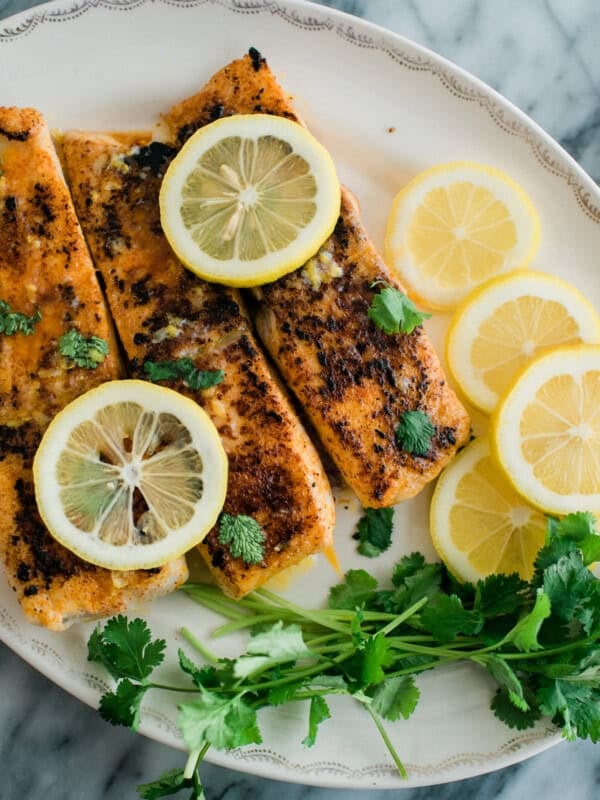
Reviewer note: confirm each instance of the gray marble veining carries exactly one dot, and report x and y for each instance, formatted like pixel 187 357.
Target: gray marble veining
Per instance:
pixel 544 56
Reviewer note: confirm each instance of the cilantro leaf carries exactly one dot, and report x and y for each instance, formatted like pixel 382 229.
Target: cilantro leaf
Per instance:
pixel 426 582
pixel 279 644
pixel 393 312
pixel 573 591
pixel 575 708
pixel 168 784
pixel 88 352
pixel 576 526
pixel 579 528
pixel 356 590
pixel 575 531
pixel 12 322
pixel 375 531
pixel 201 676
pixel 244 536
pixel 123 706
pixel 503 673
pixel 407 566
pixel 510 714
pixel 278 695
pixel 126 648
pixel 499 594
pixel 396 697
pixel 318 713
pixel 185 370
pixel 445 617
pixel 414 432
pixel 524 635
pixel 366 665
pixel 221 720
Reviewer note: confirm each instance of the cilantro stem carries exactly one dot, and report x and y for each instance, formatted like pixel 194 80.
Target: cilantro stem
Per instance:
pixel 388 742
pixel 199 646
pixel 249 622
pixel 215 603
pixel 400 618
pixel 550 651
pixel 193 762
pixel 170 688
pixel 292 675
pixel 314 616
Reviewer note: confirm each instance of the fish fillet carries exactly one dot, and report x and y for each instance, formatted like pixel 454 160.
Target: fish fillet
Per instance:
pixel 45 266
pixel 353 381
pixel 165 313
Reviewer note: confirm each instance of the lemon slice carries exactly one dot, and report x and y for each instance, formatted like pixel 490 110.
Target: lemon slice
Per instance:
pixel 546 431
pixel 130 475
pixel 504 324
pixel 248 199
pixel 457 225
pixel 479 524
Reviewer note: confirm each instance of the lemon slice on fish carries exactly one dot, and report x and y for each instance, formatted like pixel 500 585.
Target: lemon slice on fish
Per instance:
pixel 248 199
pixel 130 475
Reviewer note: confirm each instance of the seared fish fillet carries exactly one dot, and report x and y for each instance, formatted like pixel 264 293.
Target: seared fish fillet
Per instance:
pixel 45 266
pixel 353 381
pixel 165 313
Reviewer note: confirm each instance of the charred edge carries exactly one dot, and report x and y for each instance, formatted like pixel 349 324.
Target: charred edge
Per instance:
pixel 257 59
pixel 22 441
pixel 49 560
pixel 154 157
pixel 15 136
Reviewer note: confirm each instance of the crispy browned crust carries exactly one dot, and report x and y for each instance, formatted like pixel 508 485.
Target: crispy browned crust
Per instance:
pixel 353 381
pixel 163 313
pixel 44 264
pixel 245 86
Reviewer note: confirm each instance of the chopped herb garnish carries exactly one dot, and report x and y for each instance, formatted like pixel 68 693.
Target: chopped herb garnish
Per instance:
pixel 183 369
pixel 374 531
pixel 415 432
pixel 244 536
pixel 539 640
pixel 88 352
pixel 393 312
pixel 12 322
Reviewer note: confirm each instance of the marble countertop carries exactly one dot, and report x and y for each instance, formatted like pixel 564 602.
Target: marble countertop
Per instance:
pixel 544 56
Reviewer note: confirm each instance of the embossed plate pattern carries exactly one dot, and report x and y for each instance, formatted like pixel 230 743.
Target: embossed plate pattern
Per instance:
pixel 385 108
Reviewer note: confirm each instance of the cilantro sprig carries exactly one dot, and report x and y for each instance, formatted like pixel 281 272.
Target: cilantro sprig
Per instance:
pixel 244 537
pixel 87 352
pixel 12 322
pixel 539 640
pixel 374 531
pixel 414 432
pixel 393 312
pixel 185 370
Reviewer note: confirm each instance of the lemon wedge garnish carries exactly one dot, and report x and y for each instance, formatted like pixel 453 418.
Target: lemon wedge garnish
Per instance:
pixel 457 225
pixel 546 431
pixel 479 524
pixel 248 199
pixel 506 323
pixel 130 475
